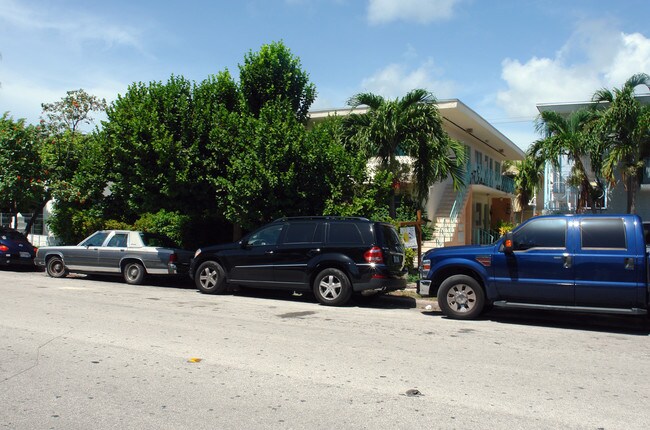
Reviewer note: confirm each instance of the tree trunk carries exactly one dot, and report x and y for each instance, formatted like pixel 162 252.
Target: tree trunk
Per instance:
pixel 632 187
pixel 39 210
pixel 236 232
pixel 391 203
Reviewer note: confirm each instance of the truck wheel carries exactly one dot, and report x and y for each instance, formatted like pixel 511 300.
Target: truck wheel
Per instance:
pixel 332 287
pixel 210 278
pixel 461 297
pixel 55 267
pixel 134 273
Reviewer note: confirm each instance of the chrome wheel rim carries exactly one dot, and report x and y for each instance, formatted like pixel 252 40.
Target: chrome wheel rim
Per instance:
pixel 208 278
pixel 133 272
pixel 461 298
pixel 56 267
pixel 330 287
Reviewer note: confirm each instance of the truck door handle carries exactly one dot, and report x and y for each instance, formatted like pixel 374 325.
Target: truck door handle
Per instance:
pixel 629 263
pixel 568 261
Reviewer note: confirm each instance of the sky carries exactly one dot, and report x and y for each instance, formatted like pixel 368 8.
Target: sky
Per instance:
pixel 500 58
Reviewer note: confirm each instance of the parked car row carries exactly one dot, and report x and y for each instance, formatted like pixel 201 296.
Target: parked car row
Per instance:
pixel 334 257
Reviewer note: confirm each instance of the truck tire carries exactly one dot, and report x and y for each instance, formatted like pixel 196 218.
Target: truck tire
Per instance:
pixel 210 278
pixel 332 287
pixel 461 297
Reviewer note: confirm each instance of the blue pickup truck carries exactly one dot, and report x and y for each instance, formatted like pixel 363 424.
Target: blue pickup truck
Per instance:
pixel 589 263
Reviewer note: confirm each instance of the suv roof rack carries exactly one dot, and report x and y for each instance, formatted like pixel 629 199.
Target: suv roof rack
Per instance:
pixel 322 217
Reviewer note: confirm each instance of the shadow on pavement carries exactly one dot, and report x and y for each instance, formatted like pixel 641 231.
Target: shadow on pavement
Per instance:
pixel 376 302
pixel 622 324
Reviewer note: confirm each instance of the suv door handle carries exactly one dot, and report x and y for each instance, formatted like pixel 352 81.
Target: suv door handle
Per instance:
pixel 313 252
pixel 268 252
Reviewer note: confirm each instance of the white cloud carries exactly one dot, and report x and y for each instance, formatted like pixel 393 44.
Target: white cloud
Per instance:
pixel 420 11
pixel 596 56
pixel 74 26
pixel 395 80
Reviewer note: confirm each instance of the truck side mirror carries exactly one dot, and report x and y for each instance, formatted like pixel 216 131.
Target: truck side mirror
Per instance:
pixel 508 246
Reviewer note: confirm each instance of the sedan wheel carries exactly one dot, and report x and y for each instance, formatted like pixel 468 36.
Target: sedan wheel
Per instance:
pixel 55 268
pixel 134 273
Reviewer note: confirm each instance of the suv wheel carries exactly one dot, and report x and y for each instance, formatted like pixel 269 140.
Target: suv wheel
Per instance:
pixel 210 278
pixel 332 287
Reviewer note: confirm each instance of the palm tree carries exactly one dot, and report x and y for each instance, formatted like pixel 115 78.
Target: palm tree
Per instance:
pixel 566 137
pixel 410 126
pixel 624 129
pixel 528 176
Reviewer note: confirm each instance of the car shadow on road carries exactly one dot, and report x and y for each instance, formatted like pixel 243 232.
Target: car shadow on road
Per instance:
pixel 150 281
pixel 374 302
pixel 620 324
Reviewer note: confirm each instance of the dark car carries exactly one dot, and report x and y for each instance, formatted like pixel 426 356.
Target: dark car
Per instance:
pixel 15 249
pixel 331 256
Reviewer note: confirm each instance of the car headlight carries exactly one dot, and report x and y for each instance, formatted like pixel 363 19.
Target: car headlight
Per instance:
pixel 197 253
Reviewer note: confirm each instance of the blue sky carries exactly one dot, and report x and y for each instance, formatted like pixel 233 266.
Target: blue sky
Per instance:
pixel 500 58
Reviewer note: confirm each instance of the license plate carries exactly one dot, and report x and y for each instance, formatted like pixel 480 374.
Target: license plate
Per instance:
pixel 25 254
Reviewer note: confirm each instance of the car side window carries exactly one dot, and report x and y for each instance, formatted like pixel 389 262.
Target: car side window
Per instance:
pixel 118 240
pixel 541 233
pixel 96 239
pixel 603 233
pixel 340 232
pixel 266 236
pixel 303 232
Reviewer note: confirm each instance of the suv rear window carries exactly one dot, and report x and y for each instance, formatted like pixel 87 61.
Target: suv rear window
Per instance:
pixel 304 232
pixel 344 232
pixel 391 238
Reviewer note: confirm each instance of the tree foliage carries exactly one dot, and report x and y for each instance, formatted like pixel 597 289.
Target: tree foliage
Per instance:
pixel 275 73
pixel 410 126
pixel 623 129
pixel 72 111
pixel 22 178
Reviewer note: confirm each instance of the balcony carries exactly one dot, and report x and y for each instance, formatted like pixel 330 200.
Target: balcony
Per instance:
pixel 479 175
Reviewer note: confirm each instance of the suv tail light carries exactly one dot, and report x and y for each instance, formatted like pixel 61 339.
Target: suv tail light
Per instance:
pixel 374 255
pixel 4 248
pixel 173 258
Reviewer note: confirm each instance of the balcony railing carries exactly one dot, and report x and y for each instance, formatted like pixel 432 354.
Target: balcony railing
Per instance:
pixel 491 178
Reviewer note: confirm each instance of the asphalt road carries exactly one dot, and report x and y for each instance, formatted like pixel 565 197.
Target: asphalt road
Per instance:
pixel 79 353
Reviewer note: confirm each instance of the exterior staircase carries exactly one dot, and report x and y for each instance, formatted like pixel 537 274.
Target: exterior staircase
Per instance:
pixel 449 226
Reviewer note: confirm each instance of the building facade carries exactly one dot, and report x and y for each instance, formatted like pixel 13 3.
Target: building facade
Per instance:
pixel 472 214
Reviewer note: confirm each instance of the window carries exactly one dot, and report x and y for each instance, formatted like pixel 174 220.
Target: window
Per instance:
pixel 119 240
pixel 96 239
pixel 304 232
pixel 266 236
pixel 542 233
pixel 341 232
pixel 603 233
pixel 156 240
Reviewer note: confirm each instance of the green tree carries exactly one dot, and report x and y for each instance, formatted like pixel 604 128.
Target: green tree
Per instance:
pixel 64 149
pixel 528 176
pixel 274 73
pixel 22 178
pixel 279 168
pixel 624 130
pixel 410 126
pixel 72 111
pixel 567 137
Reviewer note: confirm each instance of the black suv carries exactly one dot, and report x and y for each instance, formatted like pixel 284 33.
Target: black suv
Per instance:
pixel 331 256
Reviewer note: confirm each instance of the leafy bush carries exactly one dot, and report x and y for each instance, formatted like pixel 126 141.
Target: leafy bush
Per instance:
pixel 171 224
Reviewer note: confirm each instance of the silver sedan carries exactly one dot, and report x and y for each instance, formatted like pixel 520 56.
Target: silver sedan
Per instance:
pixel 132 254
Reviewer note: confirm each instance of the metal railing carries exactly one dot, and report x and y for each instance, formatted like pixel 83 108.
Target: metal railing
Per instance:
pixel 482 236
